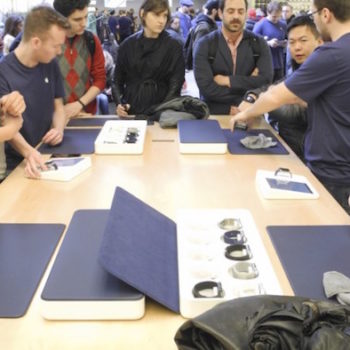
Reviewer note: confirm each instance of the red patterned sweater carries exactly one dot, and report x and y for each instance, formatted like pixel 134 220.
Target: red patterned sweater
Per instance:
pixel 80 70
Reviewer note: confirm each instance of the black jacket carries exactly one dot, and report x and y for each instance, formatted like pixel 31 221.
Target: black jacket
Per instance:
pixel 268 322
pixel 220 98
pixel 148 71
pixel 204 25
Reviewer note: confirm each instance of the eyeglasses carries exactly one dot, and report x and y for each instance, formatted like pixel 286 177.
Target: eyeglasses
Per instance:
pixel 312 14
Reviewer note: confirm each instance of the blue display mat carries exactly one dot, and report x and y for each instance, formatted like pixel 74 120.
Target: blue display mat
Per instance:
pixel 200 131
pixel 76 273
pixel 235 146
pixel 307 252
pixel 93 121
pixel 25 251
pixel 74 141
pixel 139 246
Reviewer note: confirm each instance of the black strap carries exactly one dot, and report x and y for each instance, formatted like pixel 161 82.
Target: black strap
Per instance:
pixel 201 286
pixel 90 42
pixel 238 252
pixel 214 44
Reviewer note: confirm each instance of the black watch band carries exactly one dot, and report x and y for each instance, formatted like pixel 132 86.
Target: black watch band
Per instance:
pixel 216 287
pixel 238 252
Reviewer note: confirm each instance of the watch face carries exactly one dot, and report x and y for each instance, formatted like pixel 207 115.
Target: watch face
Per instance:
pixel 250 99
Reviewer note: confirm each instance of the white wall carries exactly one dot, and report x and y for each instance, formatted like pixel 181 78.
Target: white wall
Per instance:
pixel 9 6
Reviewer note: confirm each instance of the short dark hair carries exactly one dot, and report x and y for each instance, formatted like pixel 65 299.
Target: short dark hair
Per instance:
pixel 211 5
pixel 67 7
pixel 273 6
pixel 223 3
pixel 339 8
pixel 40 19
pixel 156 6
pixel 301 21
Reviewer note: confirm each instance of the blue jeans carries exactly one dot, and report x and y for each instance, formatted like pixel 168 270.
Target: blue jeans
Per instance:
pixel 102 103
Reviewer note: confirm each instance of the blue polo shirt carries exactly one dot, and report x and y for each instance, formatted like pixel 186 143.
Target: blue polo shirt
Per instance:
pixel 39 86
pixel 278 30
pixel 323 81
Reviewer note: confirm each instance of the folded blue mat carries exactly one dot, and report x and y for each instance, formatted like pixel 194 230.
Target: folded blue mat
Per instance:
pixel 139 246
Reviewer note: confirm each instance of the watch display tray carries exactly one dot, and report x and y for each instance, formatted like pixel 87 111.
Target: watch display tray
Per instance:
pixel 224 248
pixel 121 137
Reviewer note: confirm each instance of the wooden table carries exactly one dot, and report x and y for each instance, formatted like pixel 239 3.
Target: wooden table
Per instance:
pixel 166 180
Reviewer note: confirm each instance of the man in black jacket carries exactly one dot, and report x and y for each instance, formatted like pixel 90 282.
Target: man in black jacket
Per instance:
pixel 239 61
pixel 206 23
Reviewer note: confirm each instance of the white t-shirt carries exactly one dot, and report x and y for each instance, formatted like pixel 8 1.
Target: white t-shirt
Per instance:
pixel 8 39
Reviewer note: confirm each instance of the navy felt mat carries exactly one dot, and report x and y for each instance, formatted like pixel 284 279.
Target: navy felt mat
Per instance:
pixel 76 273
pixel 90 121
pixel 140 247
pixel 306 252
pixel 74 141
pixel 235 146
pixel 25 250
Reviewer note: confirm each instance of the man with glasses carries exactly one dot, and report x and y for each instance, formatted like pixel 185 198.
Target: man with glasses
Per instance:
pixel 323 83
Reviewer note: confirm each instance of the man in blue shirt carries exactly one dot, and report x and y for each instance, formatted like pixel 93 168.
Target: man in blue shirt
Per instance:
pixel 323 83
pixel 274 32
pixel 185 18
pixel 32 70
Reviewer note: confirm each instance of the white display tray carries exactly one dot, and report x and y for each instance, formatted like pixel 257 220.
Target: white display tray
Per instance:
pixel 112 138
pixel 284 185
pixel 201 257
pixel 65 169
pixel 203 148
pixel 92 309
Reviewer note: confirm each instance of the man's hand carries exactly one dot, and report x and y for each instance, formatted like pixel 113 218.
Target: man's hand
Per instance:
pixel 273 43
pixel 240 117
pixel 53 137
pixel 34 163
pixel 222 80
pixel 13 104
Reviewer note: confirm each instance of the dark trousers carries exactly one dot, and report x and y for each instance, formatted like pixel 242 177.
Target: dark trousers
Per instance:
pixel 341 194
pixel 278 74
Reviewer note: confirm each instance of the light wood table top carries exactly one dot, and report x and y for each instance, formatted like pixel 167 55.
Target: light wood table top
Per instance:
pixel 167 181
